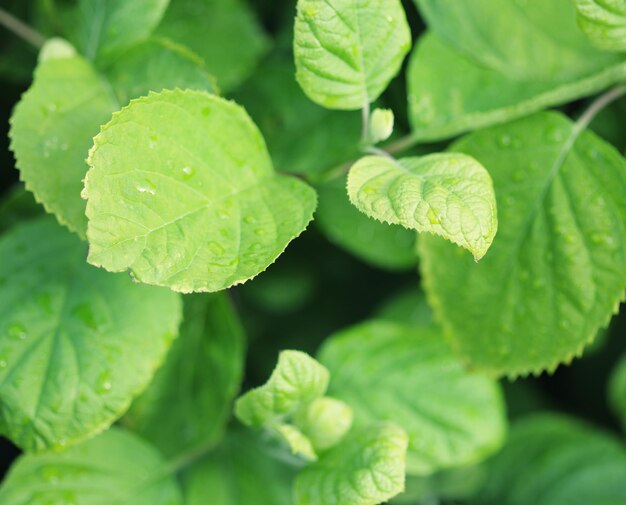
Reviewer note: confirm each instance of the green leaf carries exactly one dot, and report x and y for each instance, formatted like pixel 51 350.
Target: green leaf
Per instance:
pixel 408 307
pixel 154 65
pixel 224 33
pixel 179 204
pixel 617 391
pixel 367 468
pixel 450 195
pixel 553 460
pixel 240 471
pixel 380 244
pixel 557 268
pixel 104 27
pixel 201 377
pixel 52 128
pixel 324 421
pixel 604 22
pixel 408 375
pixel 76 344
pixel 348 51
pixel 114 468
pixel 446 486
pixel 539 40
pixel 296 381
pixel 441 107
pixel 302 137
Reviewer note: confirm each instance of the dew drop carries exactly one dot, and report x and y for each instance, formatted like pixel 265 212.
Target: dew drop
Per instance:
pixel 556 135
pixel 50 474
pixel 104 382
pixel 147 187
pixel 538 283
pixel 17 331
pixel 44 301
pixel 187 172
pixel 519 175
pixel 249 219
pixel 369 190
pixel 504 140
pixel 260 231
pixel 432 217
pixel 593 153
pixel 3 364
pixel 389 19
pixel 215 248
pixel 85 315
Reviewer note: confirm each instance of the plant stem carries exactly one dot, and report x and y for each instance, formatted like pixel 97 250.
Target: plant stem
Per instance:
pixel 402 144
pixel 408 141
pixel 21 29
pixel 597 105
pixel 186 459
pixel 365 122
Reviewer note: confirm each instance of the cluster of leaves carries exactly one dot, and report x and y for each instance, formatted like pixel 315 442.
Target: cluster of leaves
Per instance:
pixel 161 196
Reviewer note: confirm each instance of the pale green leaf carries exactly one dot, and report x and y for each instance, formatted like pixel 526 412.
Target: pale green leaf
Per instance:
pixel 553 460
pixel 53 125
pixel 537 40
pixel 240 471
pixel 154 65
pixel 76 344
pixel 557 268
pixel 442 105
pixel 296 381
pixel 408 375
pixel 52 128
pixel 617 391
pixel 348 51
pixel 298 442
pixel 450 195
pixel 179 203
pixel 115 468
pixel 324 421
pixel 104 27
pixel 302 137
pixel 201 377
pixel 367 468
pixel 383 245
pixel 224 33
pixel 604 22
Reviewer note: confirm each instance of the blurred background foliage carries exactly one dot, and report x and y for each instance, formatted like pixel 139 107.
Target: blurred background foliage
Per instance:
pixel 324 282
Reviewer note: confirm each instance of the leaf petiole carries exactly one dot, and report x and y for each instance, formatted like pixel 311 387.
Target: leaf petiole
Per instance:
pixel 21 29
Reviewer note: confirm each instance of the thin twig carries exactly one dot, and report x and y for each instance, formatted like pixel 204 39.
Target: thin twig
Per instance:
pixel 21 29
pixel 597 105
pixel 365 122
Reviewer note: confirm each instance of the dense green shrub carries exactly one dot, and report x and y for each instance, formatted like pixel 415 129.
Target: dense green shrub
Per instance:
pixel 171 150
